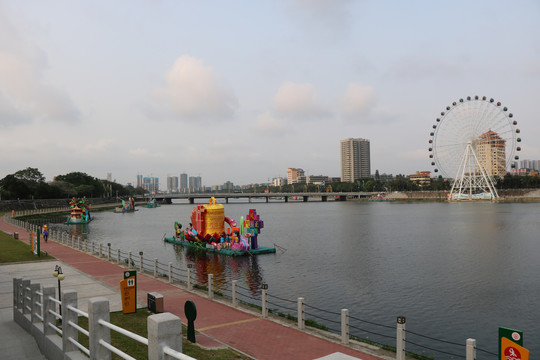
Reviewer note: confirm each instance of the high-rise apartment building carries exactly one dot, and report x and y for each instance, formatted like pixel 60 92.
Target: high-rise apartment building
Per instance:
pixel 151 184
pixel 530 164
pixel 139 181
pixel 355 159
pixel 293 175
pixel 172 184
pixel 184 183
pixel 491 152
pixel 195 184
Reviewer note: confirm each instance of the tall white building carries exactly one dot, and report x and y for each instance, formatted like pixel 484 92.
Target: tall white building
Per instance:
pixel 355 159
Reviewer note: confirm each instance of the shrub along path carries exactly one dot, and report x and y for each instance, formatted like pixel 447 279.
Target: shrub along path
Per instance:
pixel 217 323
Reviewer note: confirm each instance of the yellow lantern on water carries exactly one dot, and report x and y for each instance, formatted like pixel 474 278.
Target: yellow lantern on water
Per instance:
pixel 214 217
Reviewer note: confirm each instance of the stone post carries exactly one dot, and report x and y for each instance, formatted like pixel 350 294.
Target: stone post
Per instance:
pixel 234 298
pixel 34 288
pixel 345 326
pixel 163 330
pixel 264 303
pixel 69 298
pixel 471 349
pixel 25 295
pixel 189 285
pixel 48 304
pixel 400 338
pixel 98 309
pixel 301 314
pixel 155 267
pixel 16 292
pixel 210 286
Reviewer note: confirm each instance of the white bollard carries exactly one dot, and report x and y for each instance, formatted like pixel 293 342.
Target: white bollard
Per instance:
pixel 210 286
pixel 400 338
pixel 471 349
pixel 301 314
pixel 234 298
pixel 264 301
pixel 345 326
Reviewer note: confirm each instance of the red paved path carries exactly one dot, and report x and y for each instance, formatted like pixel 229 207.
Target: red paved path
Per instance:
pixel 251 334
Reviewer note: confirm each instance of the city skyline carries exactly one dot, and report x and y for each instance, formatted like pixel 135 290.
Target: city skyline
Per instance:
pixel 243 90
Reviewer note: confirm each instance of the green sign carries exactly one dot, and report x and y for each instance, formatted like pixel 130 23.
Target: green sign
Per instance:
pixel 510 334
pixel 131 277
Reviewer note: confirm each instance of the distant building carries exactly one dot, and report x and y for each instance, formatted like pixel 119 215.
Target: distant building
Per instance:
pixel 195 184
pixel 172 184
pixel 150 184
pixel 228 186
pixel 109 176
pixel 491 152
pixel 184 183
pixel 421 177
pixel 524 172
pixel 279 181
pixel 139 181
pixel 355 159
pixel 316 179
pixel 530 164
pixel 293 174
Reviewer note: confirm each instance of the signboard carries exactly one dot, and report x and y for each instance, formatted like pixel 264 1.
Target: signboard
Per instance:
pixel 512 351
pixel 128 290
pixel 510 341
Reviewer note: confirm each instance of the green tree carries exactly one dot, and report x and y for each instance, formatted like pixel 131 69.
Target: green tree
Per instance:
pixel 30 174
pixel 14 188
pixel 83 184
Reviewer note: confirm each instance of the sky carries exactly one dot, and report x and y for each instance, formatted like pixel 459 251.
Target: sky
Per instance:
pixel 242 90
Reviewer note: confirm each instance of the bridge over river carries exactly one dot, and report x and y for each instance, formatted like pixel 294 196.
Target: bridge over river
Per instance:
pixel 285 197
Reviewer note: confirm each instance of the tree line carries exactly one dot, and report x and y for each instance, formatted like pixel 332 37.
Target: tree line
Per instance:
pixel 396 183
pixel 30 183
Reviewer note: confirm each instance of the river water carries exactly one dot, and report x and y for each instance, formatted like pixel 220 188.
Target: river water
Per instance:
pixel 454 270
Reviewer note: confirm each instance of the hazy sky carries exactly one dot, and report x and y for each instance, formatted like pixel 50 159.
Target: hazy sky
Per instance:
pixel 242 90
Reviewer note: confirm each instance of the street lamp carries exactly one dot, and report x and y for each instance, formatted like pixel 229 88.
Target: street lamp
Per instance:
pixel 57 273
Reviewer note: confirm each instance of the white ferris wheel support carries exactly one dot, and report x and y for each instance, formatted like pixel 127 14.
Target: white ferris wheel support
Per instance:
pixel 472 181
pixel 473 142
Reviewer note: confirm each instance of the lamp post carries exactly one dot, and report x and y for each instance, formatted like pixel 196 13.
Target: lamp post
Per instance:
pixel 57 273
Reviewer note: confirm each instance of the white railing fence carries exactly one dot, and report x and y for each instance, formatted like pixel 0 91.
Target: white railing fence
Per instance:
pixel 36 312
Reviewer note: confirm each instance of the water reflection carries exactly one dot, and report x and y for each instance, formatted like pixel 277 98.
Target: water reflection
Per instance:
pixel 246 269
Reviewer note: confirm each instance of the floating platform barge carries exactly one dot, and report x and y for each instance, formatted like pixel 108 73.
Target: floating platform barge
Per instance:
pixel 224 251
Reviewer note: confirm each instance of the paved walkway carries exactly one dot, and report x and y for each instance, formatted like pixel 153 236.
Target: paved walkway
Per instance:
pixel 218 324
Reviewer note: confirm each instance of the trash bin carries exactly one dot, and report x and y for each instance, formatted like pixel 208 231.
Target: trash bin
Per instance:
pixel 15 235
pixel 155 302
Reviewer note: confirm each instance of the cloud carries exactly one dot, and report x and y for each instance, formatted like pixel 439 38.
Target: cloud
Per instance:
pixel 269 124
pixel 331 16
pixel 25 96
pixel 299 101
pixel 193 91
pixel 358 100
pixel 144 153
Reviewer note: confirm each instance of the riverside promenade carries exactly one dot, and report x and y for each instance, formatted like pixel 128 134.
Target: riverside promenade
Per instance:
pixel 218 324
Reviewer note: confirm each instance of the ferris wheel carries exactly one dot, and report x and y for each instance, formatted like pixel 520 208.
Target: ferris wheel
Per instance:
pixel 474 141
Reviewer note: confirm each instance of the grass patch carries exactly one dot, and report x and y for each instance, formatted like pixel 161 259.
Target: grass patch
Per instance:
pixel 12 250
pixel 136 323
